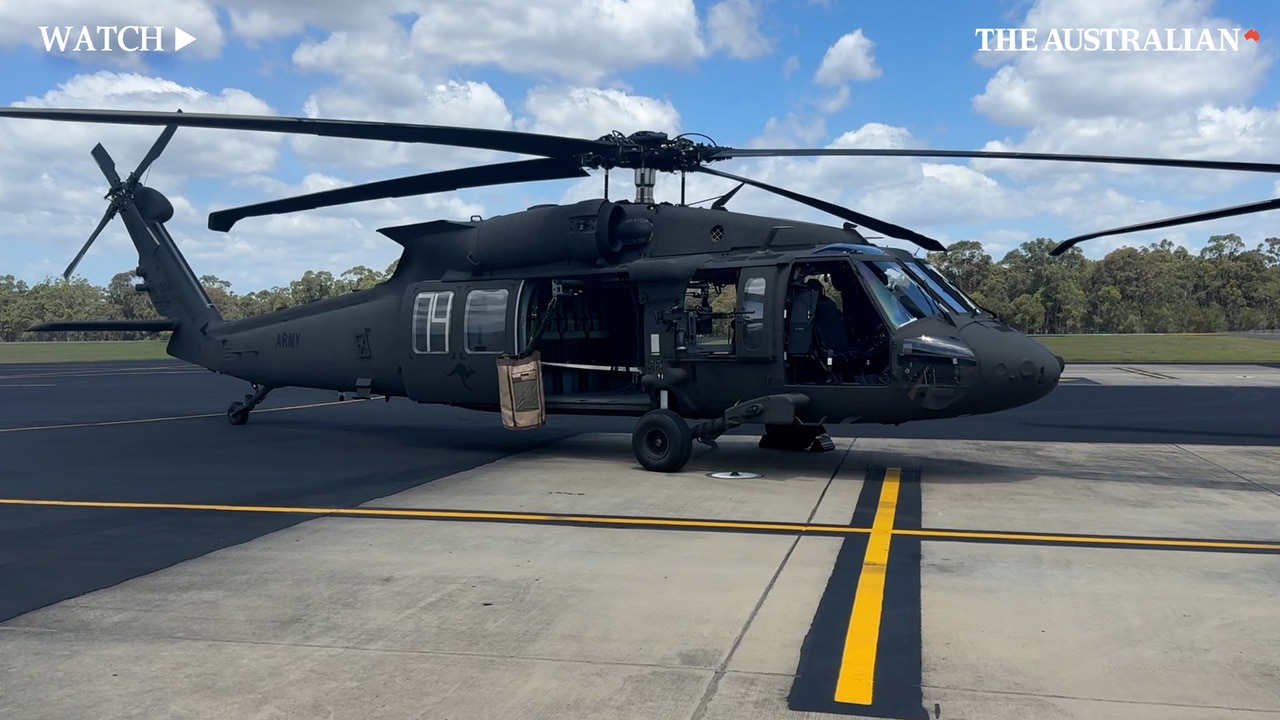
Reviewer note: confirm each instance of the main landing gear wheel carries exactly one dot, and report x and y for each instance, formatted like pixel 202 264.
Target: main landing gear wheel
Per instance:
pixel 662 441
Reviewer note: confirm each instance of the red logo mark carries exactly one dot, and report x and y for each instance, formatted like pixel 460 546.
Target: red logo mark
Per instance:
pixel 1252 35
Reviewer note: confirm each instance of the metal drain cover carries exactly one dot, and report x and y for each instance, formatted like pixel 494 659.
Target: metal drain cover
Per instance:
pixel 735 475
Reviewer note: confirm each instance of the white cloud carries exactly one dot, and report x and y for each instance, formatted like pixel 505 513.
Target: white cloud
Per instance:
pixel 790 65
pixel 465 103
pixel 573 40
pixel 835 102
pixel 579 41
pixel 733 26
pixel 791 130
pixel 592 112
pixel 876 135
pixel 850 58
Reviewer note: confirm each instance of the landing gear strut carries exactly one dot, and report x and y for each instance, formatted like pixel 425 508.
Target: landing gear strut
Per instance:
pixel 796 437
pixel 238 413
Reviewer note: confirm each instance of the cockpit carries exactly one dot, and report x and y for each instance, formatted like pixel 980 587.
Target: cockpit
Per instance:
pixel 905 287
pixel 898 292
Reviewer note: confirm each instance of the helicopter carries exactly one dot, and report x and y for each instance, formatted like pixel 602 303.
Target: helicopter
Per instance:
pixel 694 320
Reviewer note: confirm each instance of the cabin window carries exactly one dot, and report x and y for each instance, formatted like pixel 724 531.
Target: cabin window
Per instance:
pixel 431 322
pixel 486 321
pixel 753 334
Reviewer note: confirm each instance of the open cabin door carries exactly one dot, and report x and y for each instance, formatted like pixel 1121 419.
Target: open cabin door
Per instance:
pixel 454 334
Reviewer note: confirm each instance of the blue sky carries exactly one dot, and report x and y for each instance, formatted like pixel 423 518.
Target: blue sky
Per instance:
pixel 745 72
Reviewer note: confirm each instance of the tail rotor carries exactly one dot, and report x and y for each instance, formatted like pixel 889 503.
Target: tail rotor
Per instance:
pixel 122 192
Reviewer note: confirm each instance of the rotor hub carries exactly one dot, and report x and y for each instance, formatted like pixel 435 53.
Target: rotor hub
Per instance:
pixel 649 149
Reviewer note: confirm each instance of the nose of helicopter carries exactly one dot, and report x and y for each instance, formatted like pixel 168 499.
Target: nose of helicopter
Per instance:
pixel 1016 369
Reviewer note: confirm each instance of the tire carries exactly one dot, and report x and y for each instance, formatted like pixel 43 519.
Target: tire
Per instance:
pixel 662 441
pixel 238 413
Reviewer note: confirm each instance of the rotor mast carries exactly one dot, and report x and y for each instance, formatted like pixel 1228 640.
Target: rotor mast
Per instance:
pixel 646 178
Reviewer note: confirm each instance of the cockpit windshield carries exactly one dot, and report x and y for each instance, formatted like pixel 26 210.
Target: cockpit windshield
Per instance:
pixel 948 294
pixel 898 293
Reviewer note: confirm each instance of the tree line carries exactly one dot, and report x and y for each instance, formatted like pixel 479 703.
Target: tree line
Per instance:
pixel 1160 288
pixel 23 305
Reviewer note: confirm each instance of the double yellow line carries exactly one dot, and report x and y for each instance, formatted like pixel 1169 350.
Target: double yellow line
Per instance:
pixel 856 681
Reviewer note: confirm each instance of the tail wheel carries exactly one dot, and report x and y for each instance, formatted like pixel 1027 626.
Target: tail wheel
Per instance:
pixel 238 413
pixel 662 441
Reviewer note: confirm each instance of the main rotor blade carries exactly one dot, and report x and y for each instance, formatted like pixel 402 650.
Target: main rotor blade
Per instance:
pixel 106 218
pixel 106 164
pixel 1272 204
pixel 727 153
pixel 725 198
pixel 887 228
pixel 156 148
pixel 484 139
pixel 427 183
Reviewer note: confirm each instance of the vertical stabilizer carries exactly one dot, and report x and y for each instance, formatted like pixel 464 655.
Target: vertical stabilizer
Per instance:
pixel 174 289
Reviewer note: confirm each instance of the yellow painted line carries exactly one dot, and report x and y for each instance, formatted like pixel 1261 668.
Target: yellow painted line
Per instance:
pixel 108 423
pixel 873 564
pixel 856 682
pixel 1091 540
pixel 447 515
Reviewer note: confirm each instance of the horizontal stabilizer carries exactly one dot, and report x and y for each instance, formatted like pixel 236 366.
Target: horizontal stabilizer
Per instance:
pixel 405 234
pixel 105 326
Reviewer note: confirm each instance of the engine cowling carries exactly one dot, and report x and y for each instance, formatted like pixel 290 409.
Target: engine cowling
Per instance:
pixel 587 232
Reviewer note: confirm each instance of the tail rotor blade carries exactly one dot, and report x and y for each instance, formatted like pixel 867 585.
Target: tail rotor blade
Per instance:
pixel 106 164
pixel 111 212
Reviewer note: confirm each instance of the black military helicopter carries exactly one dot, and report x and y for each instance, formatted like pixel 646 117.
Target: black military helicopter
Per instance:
pixel 666 312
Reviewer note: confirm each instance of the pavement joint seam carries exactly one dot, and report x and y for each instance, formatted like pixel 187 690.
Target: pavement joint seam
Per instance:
pixel 1251 481
pixel 1056 696
pixel 357 648
pixel 714 684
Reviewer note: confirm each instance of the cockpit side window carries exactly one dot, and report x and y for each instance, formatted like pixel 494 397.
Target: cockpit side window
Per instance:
pixel 955 291
pixel 922 272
